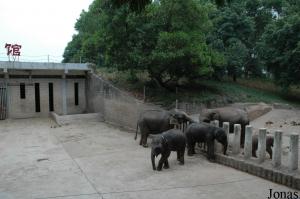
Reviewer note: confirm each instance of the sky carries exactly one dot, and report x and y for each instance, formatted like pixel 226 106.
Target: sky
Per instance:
pixel 42 27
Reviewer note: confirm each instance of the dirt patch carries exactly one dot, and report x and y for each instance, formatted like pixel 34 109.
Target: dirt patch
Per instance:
pixel 286 120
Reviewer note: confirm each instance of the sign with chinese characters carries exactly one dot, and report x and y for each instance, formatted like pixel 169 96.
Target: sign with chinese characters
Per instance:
pixel 13 50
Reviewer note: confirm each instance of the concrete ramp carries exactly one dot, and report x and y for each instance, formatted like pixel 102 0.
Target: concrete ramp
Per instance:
pixel 73 119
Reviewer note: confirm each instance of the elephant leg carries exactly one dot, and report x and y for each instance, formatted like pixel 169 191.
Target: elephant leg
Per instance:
pixel 180 153
pixel 144 140
pixel 163 159
pixel 211 150
pixel 191 149
pixel 269 150
pixel 166 164
pixel 242 141
pixel 141 139
pixel 160 164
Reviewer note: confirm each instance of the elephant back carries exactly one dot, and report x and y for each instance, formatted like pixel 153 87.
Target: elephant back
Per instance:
pixel 155 121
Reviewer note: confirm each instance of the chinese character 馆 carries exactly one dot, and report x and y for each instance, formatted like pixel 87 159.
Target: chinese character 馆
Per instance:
pixel 13 50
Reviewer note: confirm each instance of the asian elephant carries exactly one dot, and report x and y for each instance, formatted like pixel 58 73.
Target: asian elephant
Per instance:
pixel 227 114
pixel 158 121
pixel 207 133
pixel 269 144
pixel 171 140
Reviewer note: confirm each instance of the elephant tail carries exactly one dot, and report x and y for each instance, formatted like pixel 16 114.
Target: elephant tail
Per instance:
pixel 137 127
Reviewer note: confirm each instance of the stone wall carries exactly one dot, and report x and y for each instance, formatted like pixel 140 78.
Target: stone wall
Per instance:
pixel 116 106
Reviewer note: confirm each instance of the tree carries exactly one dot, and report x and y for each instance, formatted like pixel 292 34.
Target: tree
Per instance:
pixel 87 44
pixel 167 39
pixel 236 54
pixel 280 50
pixel 138 5
pixel 232 36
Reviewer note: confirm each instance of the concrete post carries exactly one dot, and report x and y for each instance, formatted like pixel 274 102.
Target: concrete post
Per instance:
pixel 226 128
pixel 248 142
pixel 218 146
pixel 293 154
pixel 176 104
pixel 236 140
pixel 262 145
pixel 216 123
pixel 64 95
pixel 276 159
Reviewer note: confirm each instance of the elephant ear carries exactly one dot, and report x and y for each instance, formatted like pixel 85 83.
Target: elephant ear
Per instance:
pixel 172 119
pixel 164 141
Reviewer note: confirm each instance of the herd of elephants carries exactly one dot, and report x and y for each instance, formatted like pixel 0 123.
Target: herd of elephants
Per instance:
pixel 159 125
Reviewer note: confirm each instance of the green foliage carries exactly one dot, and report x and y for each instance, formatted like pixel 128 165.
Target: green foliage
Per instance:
pixel 166 39
pixel 177 41
pixel 236 54
pixel 281 50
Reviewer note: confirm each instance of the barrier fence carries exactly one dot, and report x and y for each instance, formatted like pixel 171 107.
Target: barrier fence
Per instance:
pixel 242 159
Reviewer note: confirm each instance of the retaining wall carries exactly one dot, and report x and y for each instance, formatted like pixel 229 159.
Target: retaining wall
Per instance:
pixel 116 106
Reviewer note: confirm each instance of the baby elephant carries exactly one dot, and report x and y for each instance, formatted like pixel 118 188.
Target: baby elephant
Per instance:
pixel 171 140
pixel 269 144
pixel 205 133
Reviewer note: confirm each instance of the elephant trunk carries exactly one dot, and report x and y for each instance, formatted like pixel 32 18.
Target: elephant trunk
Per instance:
pixel 153 159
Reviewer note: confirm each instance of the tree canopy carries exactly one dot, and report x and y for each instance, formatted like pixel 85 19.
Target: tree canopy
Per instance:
pixel 191 39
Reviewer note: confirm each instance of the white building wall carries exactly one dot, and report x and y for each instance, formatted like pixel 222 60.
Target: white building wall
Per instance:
pixel 24 108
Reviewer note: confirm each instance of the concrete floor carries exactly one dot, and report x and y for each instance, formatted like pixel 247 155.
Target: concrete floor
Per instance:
pixel 94 160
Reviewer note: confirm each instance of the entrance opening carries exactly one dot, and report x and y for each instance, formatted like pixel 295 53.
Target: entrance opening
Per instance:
pixel 51 101
pixel 76 93
pixel 37 97
pixel 22 91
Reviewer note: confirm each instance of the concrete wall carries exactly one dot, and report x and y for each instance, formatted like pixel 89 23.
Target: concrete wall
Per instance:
pixel 116 106
pixel 24 108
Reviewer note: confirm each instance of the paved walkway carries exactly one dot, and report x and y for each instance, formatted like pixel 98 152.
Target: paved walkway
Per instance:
pixel 94 160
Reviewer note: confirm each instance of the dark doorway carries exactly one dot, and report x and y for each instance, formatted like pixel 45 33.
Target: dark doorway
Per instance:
pixel 51 101
pixel 76 93
pixel 37 97
pixel 22 91
pixel 3 100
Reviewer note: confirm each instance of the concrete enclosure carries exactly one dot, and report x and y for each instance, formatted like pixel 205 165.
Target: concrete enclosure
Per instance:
pixel 35 89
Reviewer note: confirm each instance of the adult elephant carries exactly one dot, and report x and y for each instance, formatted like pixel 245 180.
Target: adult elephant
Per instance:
pixel 205 133
pixel 227 114
pixel 158 121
